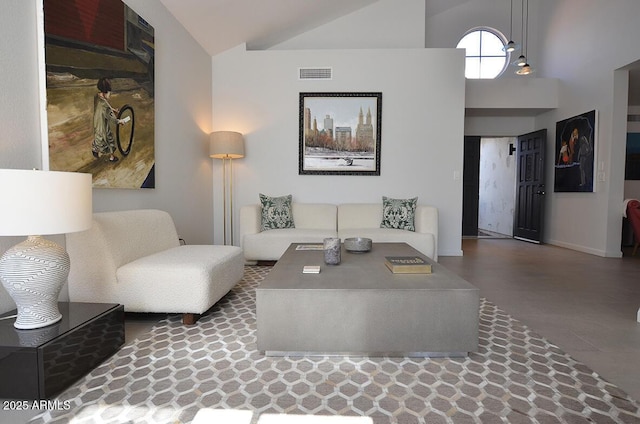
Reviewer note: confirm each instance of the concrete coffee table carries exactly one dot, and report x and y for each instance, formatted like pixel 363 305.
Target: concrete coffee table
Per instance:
pixel 360 307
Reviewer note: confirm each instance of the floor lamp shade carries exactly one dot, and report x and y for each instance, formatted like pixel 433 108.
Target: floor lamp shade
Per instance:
pixel 226 145
pixel 37 203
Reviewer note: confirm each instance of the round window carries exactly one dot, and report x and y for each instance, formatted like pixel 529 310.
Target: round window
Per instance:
pixel 485 54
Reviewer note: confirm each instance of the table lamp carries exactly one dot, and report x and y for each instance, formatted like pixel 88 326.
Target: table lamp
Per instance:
pixel 36 203
pixel 227 145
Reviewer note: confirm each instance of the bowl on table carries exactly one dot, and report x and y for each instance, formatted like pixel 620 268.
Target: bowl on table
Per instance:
pixel 357 244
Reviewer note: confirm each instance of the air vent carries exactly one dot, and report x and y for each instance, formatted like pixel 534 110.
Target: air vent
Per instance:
pixel 315 73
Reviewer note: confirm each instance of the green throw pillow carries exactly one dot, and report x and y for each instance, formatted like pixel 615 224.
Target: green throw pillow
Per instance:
pixel 276 212
pixel 399 213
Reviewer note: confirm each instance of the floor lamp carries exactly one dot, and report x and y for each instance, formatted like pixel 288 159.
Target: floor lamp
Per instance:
pixel 227 145
pixel 33 271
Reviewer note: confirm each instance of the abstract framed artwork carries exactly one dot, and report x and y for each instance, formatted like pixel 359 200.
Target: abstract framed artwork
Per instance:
pixel 99 58
pixel 575 153
pixel 340 133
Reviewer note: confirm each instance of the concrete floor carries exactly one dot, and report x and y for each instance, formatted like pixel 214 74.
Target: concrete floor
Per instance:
pixel 585 304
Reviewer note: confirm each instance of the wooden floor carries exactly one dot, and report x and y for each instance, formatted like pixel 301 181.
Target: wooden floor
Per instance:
pixel 585 304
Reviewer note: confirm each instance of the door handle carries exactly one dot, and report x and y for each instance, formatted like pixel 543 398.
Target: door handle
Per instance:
pixel 540 192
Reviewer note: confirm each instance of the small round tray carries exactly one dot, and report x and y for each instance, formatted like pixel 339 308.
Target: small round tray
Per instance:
pixel 357 244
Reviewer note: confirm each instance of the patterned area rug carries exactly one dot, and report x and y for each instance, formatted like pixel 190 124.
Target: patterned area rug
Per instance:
pixel 169 374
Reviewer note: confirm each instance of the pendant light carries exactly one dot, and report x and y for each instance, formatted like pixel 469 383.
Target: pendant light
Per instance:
pixel 522 62
pixel 510 47
pixel 524 70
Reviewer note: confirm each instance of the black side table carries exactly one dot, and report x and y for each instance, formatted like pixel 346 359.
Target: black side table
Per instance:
pixel 40 363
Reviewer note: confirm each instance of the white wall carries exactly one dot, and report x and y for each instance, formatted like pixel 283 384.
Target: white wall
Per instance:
pixel 19 102
pixel 447 22
pixel 377 48
pixel 385 24
pixel 257 92
pixel 603 39
pixel 498 125
pixel 183 120
pixel 182 127
pixel 507 106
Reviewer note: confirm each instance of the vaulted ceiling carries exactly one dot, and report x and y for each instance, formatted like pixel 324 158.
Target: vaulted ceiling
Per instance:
pixel 218 25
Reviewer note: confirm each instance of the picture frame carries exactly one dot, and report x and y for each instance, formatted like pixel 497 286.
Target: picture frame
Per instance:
pixel 348 139
pixel 100 92
pixel 575 153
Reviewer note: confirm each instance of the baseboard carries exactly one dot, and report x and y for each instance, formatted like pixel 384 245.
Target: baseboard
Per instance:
pixel 584 249
pixel 450 253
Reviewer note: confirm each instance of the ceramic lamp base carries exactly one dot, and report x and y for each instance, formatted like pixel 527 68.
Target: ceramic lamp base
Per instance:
pixel 33 273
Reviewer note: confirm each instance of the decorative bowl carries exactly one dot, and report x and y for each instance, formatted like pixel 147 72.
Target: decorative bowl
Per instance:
pixel 357 244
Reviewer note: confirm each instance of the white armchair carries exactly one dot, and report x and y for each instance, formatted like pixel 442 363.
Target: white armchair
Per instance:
pixel 134 258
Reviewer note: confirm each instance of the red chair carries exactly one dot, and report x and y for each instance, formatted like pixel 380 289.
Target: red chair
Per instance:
pixel 633 215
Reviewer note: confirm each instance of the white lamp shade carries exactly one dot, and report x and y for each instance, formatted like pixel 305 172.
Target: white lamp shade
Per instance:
pixel 226 145
pixel 44 202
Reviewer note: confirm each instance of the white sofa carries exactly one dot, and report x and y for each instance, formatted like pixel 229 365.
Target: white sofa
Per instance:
pixel 134 258
pixel 314 222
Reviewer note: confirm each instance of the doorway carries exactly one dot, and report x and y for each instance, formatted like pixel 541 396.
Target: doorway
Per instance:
pixel 489 187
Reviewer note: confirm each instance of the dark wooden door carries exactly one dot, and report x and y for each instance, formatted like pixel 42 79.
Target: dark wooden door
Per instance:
pixel 470 186
pixel 528 221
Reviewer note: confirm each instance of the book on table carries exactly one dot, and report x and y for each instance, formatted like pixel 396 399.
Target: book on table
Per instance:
pixel 407 265
pixel 309 247
pixel 311 269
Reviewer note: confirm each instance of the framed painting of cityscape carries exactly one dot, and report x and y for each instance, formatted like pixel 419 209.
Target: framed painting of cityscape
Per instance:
pixel 575 152
pixel 340 133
